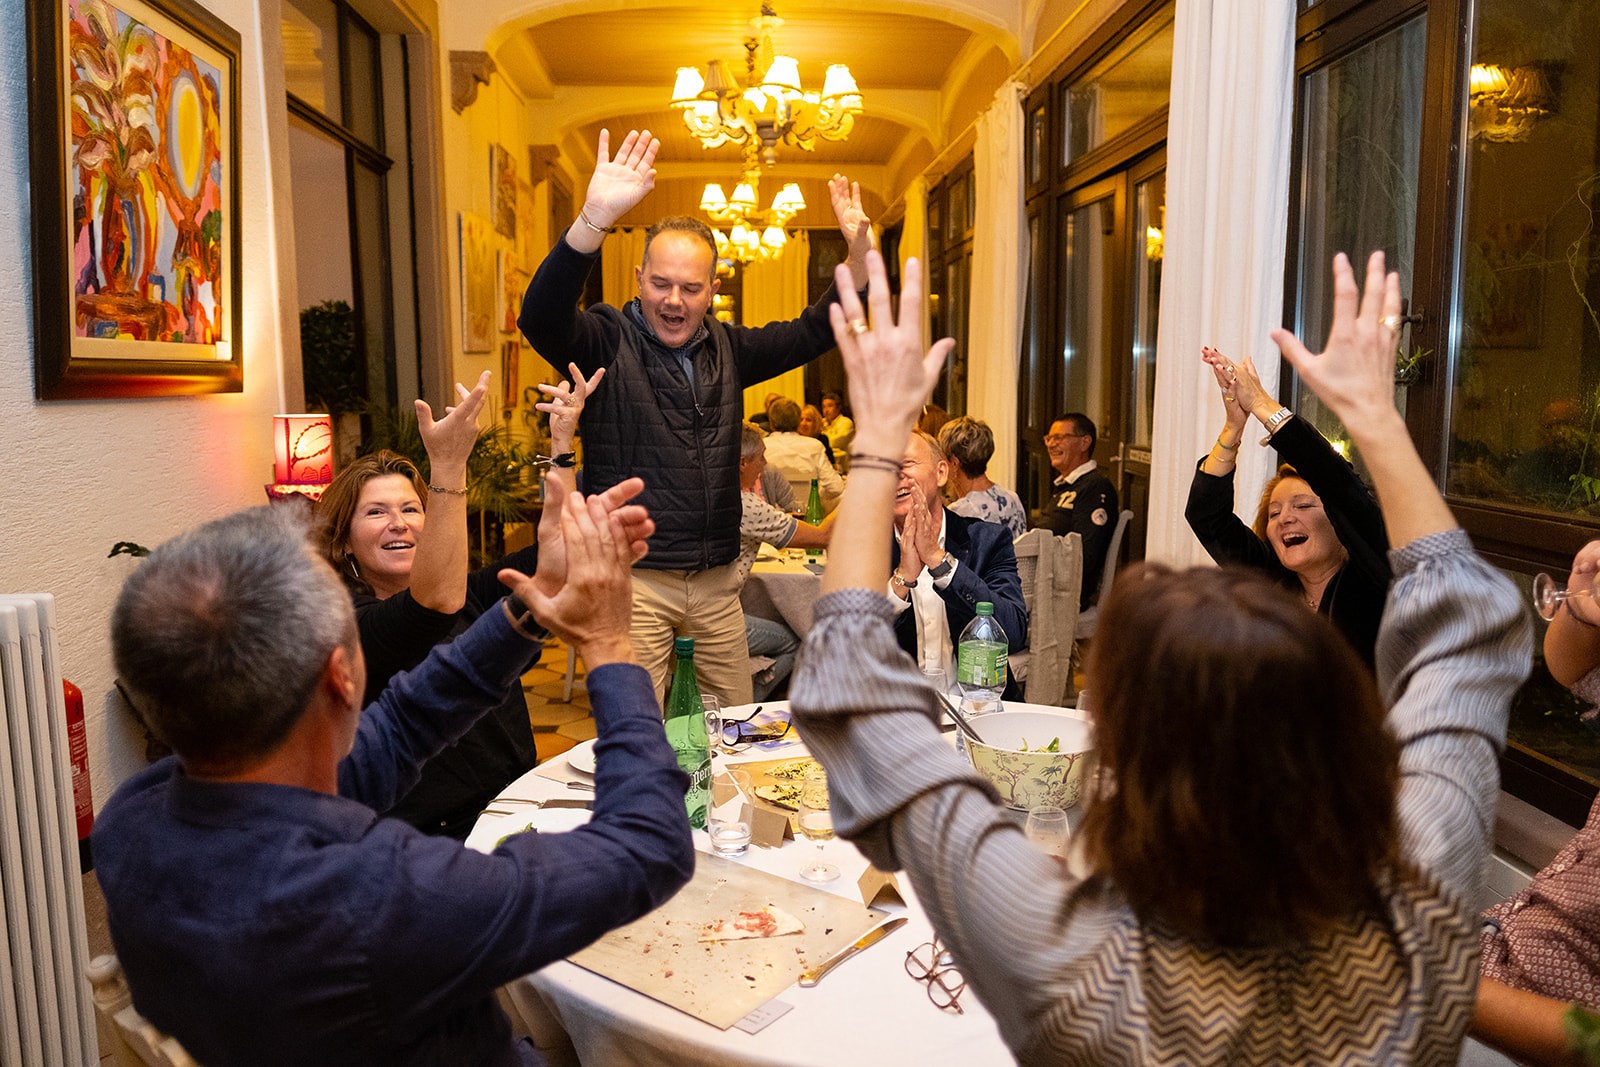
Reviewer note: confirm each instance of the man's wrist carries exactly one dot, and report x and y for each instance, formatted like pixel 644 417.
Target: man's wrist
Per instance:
pixel 602 649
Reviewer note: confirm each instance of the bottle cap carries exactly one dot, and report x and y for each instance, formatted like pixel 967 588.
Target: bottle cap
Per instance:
pixel 684 646
pixel 985 608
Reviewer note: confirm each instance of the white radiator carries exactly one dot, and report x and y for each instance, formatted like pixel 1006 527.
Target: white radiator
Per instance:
pixel 46 1013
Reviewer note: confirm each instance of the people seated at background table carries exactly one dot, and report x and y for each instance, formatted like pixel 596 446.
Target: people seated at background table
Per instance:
pixel 798 457
pixel 262 911
pixel 1318 531
pixel 943 565
pixel 674 400
pixel 1541 947
pixel 761 418
pixel 408 580
pixel 839 427
pixel 969 444
pixel 1083 500
pixel 811 426
pixel 762 522
pixel 1273 872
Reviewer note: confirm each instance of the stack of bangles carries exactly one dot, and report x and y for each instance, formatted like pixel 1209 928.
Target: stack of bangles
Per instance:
pixel 867 461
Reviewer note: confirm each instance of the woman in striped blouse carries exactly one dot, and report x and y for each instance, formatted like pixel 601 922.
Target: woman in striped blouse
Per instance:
pixel 1278 857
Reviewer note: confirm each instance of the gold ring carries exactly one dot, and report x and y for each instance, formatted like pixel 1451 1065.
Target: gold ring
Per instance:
pixel 1391 322
pixel 859 326
pixel 1227 396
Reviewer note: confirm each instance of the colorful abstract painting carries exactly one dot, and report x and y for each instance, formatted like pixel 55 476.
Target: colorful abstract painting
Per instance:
pixel 148 184
pixel 503 191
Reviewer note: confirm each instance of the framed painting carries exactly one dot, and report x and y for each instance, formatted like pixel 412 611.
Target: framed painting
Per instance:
pixel 503 191
pixel 479 284
pixel 134 116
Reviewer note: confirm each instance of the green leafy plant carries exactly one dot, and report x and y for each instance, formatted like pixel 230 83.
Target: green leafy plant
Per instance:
pixel 1407 369
pixel 328 356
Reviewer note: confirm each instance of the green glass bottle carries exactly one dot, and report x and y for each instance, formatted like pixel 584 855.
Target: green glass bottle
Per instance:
pixel 686 732
pixel 814 517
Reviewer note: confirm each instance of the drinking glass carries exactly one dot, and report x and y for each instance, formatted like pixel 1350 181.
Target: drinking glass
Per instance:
pixel 1047 828
pixel 712 708
pixel 1548 593
pixel 728 817
pixel 816 822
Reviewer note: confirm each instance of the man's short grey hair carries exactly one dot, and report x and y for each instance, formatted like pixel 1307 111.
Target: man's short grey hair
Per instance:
pixel 752 442
pixel 221 635
pixel 932 442
pixel 784 415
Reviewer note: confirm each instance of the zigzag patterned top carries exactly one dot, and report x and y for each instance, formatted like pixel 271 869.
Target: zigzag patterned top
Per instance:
pixel 1068 972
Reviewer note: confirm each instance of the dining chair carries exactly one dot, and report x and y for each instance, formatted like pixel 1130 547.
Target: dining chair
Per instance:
pixel 1089 617
pixel 125 1035
pixel 1051 571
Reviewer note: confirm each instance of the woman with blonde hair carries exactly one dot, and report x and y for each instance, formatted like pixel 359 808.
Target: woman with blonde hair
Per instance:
pixel 969 444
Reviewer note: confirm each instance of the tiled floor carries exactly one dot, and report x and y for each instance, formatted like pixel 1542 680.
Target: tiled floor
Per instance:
pixel 558 724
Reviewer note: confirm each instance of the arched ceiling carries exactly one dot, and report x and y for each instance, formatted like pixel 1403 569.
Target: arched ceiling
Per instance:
pixel 582 66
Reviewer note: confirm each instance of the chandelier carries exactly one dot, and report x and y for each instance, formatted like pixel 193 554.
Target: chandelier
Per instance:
pixel 754 236
pixel 1506 103
pixel 769 108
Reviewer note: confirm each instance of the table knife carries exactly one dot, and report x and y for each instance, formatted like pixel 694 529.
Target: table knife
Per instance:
pixel 868 939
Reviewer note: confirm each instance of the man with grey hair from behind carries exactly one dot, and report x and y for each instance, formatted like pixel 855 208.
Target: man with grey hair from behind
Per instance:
pixel 262 911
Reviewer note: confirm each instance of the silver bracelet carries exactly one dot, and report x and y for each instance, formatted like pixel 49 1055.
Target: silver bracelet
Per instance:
pixel 585 220
pixel 448 492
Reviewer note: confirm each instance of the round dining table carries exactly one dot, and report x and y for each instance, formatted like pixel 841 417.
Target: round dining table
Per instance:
pixel 783 587
pixel 867 1011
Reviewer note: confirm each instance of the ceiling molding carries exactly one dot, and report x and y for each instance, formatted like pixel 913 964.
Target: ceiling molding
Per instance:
pixel 519 60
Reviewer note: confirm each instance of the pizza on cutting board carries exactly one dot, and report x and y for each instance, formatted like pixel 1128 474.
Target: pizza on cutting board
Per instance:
pixel 769 921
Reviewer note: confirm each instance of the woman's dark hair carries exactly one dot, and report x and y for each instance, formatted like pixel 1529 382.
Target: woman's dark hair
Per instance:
pixel 337 508
pixel 1248 779
pixel 1260 525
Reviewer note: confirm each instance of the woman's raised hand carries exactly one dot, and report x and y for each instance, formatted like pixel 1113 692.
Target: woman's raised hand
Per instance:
pixel 449 440
pixel 566 405
pixel 891 375
pixel 1235 413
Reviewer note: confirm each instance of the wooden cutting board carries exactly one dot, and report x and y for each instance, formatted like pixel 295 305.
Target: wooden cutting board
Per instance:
pixel 722 982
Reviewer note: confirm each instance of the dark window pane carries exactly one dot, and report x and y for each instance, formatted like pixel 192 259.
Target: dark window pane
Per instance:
pixel 365 113
pixel 1128 86
pixel 1361 122
pixel 311 54
pixel 373 249
pixel 1149 220
pixel 1089 271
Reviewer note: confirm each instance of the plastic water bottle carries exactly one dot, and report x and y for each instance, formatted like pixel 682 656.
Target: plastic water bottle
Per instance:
pixel 982 662
pixel 814 518
pixel 686 732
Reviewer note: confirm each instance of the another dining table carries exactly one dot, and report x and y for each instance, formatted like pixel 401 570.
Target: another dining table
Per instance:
pixel 783 586
pixel 868 1010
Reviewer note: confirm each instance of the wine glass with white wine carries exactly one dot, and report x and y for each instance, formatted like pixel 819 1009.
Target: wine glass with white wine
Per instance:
pixel 816 822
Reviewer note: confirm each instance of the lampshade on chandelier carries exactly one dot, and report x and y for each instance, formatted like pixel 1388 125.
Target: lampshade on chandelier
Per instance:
pixel 769 108
pixel 754 236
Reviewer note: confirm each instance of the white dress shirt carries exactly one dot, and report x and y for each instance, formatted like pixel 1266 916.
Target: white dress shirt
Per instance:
pixel 935 643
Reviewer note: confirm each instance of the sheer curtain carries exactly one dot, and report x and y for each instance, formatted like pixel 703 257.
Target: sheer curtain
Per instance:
pixel 914 234
pixel 619 258
pixel 774 292
pixel 1227 212
pixel 999 277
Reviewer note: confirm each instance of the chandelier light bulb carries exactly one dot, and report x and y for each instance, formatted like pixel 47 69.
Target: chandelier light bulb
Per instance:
pixel 688 88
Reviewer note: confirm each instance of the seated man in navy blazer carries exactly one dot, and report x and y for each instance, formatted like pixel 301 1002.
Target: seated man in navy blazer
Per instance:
pixel 945 565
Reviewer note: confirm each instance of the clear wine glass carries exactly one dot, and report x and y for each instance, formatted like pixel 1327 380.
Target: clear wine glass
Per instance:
pixel 1548 593
pixel 816 822
pixel 1047 829
pixel 712 707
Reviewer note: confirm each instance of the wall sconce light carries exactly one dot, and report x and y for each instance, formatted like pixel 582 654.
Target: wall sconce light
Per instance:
pixel 302 456
pixel 1505 104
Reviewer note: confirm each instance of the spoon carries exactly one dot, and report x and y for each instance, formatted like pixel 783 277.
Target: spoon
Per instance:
pixel 961 719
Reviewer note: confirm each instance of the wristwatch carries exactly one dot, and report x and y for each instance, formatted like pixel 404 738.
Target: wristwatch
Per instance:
pixel 566 459
pixel 945 566
pixel 522 619
pixel 1275 420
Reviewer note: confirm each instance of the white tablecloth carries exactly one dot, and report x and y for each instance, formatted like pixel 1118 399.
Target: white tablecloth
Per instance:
pixel 783 591
pixel 868 1011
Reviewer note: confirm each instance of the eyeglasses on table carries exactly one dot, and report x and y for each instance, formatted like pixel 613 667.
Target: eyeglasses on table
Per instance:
pixel 931 964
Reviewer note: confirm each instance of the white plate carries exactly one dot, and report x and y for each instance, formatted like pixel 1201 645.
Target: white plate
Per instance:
pixel 580 757
pixel 489 831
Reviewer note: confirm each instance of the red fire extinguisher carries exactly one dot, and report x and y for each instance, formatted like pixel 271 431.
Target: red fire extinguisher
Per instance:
pixel 78 750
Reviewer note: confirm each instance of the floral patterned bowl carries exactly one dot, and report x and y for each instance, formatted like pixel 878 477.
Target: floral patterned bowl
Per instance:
pixel 1029 779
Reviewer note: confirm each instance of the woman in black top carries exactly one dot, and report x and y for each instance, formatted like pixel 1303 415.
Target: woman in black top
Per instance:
pixel 1318 530
pixel 400 543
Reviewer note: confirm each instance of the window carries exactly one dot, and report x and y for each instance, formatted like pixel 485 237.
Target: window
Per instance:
pixel 1474 159
pixel 954 201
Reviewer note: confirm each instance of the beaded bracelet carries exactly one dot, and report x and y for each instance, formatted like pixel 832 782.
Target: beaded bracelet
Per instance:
pixel 450 492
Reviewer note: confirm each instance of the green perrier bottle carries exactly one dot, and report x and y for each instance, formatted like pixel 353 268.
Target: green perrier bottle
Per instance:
pixel 814 517
pixel 686 732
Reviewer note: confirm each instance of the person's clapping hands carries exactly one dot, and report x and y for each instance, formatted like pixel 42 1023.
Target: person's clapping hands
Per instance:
pixel 590 605
pixel 1235 413
pixel 913 535
pixel 449 440
pixel 565 406
pixel 632 520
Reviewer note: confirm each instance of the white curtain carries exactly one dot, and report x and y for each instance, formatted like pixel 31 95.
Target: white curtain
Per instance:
pixel 999 277
pixel 914 234
pixel 619 259
pixel 775 291
pixel 1227 217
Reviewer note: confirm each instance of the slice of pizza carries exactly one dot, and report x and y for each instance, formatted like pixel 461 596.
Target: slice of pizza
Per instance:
pixel 794 770
pixel 769 921
pixel 783 794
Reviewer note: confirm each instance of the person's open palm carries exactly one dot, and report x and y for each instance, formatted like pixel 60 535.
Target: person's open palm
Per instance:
pixel 632 519
pixel 619 184
pixel 449 440
pixel 891 375
pixel 1354 373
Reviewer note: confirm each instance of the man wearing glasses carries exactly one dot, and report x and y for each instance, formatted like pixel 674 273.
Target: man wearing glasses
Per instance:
pixel 1085 499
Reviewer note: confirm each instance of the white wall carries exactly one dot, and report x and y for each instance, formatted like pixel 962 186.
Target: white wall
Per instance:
pixel 81 475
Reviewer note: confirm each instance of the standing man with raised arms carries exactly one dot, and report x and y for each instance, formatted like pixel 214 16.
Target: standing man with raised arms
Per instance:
pixel 673 404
